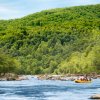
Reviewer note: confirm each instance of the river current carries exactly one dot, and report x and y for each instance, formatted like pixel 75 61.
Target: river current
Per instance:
pixel 34 89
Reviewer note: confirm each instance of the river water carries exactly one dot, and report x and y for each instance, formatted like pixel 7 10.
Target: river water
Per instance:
pixel 34 89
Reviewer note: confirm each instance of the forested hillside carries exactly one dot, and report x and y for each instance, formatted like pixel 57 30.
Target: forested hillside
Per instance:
pixel 59 41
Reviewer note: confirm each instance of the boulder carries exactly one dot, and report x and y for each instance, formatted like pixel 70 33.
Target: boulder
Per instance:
pixel 19 78
pixel 8 77
pixel 97 96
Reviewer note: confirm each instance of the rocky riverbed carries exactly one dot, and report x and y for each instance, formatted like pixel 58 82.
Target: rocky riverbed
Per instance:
pixel 67 77
pixel 56 77
pixel 12 77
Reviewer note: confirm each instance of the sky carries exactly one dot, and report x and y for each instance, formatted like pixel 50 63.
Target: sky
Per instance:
pixel 10 9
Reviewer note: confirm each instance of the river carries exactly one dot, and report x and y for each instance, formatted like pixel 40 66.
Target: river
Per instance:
pixel 34 89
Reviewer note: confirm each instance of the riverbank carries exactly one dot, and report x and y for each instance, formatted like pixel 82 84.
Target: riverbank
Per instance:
pixel 67 77
pixel 13 77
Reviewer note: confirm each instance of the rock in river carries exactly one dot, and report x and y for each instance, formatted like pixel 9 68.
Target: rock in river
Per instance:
pixel 97 96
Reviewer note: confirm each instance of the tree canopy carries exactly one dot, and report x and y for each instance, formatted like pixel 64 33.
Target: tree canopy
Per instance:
pixel 59 41
pixel 8 64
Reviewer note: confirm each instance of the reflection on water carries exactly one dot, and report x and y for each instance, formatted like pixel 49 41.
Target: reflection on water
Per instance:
pixel 34 89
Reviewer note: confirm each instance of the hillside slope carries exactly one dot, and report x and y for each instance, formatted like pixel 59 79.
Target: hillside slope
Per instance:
pixel 60 41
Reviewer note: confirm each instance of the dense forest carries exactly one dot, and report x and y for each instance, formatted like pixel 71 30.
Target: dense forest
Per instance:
pixel 56 41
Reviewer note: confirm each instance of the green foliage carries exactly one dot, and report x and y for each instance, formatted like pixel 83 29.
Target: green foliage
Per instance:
pixel 65 40
pixel 8 64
